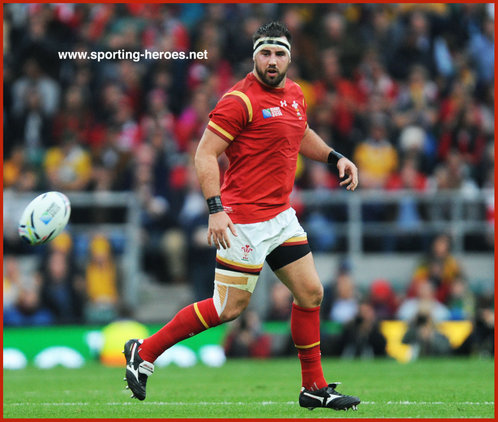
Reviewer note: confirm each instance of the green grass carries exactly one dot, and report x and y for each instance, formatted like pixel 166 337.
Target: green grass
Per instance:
pixel 445 388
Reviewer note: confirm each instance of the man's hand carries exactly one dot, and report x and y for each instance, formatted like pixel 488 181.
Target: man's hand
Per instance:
pixel 347 167
pixel 217 229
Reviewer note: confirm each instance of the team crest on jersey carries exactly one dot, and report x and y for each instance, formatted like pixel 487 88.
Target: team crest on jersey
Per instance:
pixel 296 107
pixel 246 249
pixel 271 112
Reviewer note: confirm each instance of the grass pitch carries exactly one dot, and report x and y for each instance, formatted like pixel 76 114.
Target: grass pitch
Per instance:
pixel 442 388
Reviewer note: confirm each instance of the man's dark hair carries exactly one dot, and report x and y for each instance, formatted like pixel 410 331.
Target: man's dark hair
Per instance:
pixel 272 29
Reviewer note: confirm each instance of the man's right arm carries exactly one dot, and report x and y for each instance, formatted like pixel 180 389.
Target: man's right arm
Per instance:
pixel 210 148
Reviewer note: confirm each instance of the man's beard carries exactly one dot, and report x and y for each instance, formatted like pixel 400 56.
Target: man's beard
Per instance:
pixel 271 81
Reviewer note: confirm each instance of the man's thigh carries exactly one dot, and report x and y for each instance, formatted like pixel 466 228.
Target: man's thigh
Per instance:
pixel 301 277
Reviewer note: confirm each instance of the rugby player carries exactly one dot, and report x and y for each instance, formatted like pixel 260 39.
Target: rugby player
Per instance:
pixel 261 125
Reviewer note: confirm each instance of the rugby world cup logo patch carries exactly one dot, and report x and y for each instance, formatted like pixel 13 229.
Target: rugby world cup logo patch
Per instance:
pixel 246 249
pixel 47 216
pixel 271 112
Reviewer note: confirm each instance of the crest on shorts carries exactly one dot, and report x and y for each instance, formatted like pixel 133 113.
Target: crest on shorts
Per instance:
pixel 246 249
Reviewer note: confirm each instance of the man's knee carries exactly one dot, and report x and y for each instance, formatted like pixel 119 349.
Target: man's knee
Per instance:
pixel 311 296
pixel 316 295
pixel 232 311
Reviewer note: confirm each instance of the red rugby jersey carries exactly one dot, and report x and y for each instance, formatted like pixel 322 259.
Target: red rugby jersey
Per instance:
pixel 264 127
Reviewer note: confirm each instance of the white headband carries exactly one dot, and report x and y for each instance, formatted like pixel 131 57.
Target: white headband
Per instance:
pixel 266 42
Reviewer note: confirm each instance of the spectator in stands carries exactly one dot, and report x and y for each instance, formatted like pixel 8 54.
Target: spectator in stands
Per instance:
pixel 129 134
pixel 21 297
pixel 158 121
pixel 376 157
pixel 69 166
pixel 101 276
pixel 32 127
pixel 408 214
pixel 160 207
pixel 383 299
pixel 459 175
pixel 74 117
pixel 280 303
pixel 439 268
pixel 380 33
pixel 461 300
pixel 424 302
pixel 343 296
pixel 416 102
pixel 481 341
pixel 246 339
pixel 418 145
pixel 13 166
pixel 462 128
pixel 28 310
pixel 481 50
pixel 59 288
pixel 35 80
pixel 318 221
pixel 361 337
pixel 485 174
pixel 110 163
pixel 376 82
pixel 345 41
pixel 109 99
pixel 339 95
pixel 425 339
pixel 415 46
pixel 192 121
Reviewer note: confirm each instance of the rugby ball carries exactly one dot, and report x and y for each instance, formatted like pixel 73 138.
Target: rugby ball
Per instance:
pixel 44 218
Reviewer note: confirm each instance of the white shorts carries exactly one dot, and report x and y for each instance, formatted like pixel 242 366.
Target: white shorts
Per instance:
pixel 253 244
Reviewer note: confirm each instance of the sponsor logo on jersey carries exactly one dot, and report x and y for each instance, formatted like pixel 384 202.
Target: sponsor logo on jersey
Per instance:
pixel 271 112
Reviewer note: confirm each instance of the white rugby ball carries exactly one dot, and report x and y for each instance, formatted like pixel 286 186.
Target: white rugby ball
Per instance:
pixel 44 218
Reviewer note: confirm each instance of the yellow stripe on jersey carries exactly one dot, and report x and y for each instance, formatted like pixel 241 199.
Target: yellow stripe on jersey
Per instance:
pixel 199 315
pixel 220 129
pixel 307 346
pixel 246 100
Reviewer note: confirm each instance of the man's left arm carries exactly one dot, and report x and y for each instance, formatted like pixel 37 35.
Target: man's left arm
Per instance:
pixel 315 148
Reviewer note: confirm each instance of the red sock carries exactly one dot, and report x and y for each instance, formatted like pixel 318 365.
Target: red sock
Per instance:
pixel 188 322
pixel 305 330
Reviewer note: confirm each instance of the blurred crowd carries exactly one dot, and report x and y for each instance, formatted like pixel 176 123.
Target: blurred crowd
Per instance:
pixel 352 317
pixel 405 90
pixel 61 290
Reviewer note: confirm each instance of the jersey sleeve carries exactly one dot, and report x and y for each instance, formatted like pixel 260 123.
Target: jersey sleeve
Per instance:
pixel 305 106
pixel 230 116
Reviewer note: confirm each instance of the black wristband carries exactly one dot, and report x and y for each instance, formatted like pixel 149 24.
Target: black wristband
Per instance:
pixel 334 157
pixel 214 204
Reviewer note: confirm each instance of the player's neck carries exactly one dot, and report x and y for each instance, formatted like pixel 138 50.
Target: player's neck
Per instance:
pixel 281 85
